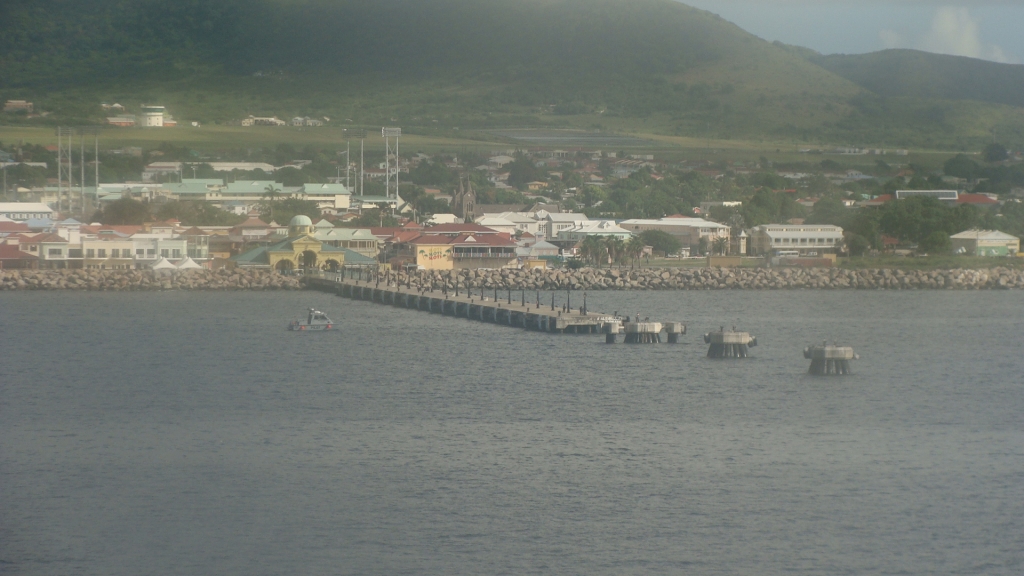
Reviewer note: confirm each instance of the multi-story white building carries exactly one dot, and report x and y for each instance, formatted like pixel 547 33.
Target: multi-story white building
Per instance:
pixel 556 222
pixel 689 231
pixel 152 115
pixel 593 228
pixel 795 239
pixel 21 211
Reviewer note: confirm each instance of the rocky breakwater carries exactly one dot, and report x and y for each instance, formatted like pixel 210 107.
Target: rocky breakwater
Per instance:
pixel 223 279
pixel 716 279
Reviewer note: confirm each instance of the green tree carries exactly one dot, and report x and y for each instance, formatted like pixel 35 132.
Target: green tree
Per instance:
pixel 857 244
pixel 593 250
pixel 615 248
pixel 828 210
pixel 522 171
pixel 635 248
pixel 936 242
pixel 432 173
pixel 285 210
pixel 121 212
pixel 720 245
pixel 661 242
pixel 995 152
pixel 197 213
pixel 270 194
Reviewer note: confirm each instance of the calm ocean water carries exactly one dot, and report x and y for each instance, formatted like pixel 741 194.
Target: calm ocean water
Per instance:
pixel 189 433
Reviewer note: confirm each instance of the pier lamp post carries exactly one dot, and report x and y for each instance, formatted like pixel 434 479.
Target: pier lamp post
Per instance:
pixel 456 286
pixel 495 293
pixel 523 304
pixel 538 299
pixel 552 301
pixel 584 302
pixel 510 295
pixel 568 298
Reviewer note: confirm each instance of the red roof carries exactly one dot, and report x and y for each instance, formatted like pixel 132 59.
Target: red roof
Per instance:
pixel 387 231
pixel 252 222
pixel 431 239
pixel 8 252
pixel 455 228
pixel 879 200
pixel 975 199
pixel 9 227
pixel 403 237
pixel 127 230
pixel 45 238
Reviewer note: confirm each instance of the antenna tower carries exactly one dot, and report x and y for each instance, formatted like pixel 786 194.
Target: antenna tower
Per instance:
pixel 64 168
pixel 388 134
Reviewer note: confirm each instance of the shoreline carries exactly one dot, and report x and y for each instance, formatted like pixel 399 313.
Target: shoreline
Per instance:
pixel 997 278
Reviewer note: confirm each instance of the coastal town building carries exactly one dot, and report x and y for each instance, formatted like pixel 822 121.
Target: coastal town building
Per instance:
pixel 22 211
pixel 301 250
pixel 689 231
pixel 795 240
pixel 985 243
pixel 603 228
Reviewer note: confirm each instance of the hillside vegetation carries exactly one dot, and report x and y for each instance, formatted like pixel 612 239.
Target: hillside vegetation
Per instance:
pixel 916 74
pixel 432 65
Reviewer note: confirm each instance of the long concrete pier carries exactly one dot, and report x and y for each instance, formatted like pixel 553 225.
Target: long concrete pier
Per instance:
pixel 531 316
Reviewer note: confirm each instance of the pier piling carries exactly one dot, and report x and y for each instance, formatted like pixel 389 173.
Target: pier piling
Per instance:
pixel 729 344
pixel 829 360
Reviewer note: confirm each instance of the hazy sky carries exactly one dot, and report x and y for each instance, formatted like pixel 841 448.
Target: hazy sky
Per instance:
pixel 989 29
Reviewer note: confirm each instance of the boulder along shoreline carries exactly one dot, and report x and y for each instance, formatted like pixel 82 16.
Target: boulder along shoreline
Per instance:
pixel 583 279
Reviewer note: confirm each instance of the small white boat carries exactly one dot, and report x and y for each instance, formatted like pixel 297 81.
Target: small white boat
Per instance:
pixel 315 321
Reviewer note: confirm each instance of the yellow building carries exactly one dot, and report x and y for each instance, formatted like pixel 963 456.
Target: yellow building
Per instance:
pixel 301 250
pixel 434 253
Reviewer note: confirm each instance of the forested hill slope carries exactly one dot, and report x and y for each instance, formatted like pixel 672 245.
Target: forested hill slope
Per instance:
pixel 916 74
pixel 652 65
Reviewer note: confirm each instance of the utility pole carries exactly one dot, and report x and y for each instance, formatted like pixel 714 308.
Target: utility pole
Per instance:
pixel 348 162
pixel 361 139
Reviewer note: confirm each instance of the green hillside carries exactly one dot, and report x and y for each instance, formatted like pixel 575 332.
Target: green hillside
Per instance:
pixel 916 74
pixel 433 65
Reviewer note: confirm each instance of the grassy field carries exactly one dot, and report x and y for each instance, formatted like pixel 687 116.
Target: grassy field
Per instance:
pixel 944 262
pixel 219 138
pixel 229 137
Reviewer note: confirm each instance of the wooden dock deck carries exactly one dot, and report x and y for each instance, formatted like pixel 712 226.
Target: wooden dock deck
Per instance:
pixel 482 307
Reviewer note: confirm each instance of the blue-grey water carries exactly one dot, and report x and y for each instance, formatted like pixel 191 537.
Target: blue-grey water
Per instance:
pixel 190 433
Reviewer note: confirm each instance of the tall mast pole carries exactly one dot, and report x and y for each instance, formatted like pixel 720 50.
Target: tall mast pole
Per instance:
pixel 387 163
pixel 348 162
pixel 81 183
pixel 361 140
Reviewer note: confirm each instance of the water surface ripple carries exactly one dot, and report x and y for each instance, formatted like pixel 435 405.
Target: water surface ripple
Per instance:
pixel 189 433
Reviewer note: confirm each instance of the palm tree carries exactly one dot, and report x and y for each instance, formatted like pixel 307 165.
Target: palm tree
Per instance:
pixel 592 249
pixel 615 247
pixel 635 248
pixel 720 245
pixel 271 194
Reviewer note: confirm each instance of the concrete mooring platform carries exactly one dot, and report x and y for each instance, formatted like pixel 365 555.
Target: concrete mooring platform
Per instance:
pixel 729 343
pixel 829 360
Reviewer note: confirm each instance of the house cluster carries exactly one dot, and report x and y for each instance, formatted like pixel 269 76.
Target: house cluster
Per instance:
pixel 45 243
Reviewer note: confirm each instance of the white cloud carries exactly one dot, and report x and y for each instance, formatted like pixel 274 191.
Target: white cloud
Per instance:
pixel 953 31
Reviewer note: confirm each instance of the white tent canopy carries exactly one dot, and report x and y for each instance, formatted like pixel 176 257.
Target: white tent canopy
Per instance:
pixel 163 264
pixel 188 264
